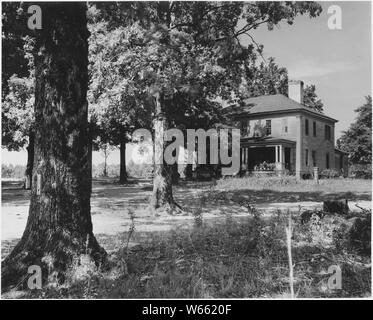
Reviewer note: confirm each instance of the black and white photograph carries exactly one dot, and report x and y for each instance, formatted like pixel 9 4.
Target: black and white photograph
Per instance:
pixel 199 151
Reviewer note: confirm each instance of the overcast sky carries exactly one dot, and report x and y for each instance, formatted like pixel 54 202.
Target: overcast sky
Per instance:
pixel 338 62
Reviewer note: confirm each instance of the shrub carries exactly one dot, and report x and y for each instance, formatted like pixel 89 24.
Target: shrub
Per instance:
pixel 139 170
pixel 10 171
pixel 133 170
pixel 329 174
pixel 359 171
pixel 265 166
pixel 359 234
pixel 7 171
pixel 112 170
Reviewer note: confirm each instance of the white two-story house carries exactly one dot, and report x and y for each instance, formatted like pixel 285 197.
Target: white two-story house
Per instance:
pixel 283 131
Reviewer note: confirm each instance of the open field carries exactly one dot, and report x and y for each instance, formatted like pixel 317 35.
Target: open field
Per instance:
pixel 219 247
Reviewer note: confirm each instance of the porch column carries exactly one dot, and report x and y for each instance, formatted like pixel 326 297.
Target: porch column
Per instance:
pixel 278 157
pixel 280 165
pixel 242 157
pixel 283 157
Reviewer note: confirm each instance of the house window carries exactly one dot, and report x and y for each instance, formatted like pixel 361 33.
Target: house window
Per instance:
pixel 314 128
pixel 306 157
pixel 268 127
pixel 285 125
pixel 327 161
pixel 244 128
pixel 327 132
pixel 307 127
pixel 314 162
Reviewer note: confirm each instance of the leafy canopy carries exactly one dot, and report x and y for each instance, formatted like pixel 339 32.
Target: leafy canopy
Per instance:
pixel 357 140
pixel 310 98
pixel 188 52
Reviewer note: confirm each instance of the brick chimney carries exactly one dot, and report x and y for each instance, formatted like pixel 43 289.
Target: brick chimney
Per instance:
pixel 296 90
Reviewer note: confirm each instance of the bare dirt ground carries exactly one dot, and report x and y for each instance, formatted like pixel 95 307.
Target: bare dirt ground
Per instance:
pixel 111 202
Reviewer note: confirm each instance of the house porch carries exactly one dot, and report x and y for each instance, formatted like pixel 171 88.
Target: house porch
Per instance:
pixel 278 153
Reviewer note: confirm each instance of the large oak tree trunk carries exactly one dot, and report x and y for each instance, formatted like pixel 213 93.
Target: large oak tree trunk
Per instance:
pixel 90 154
pixel 123 171
pixel 30 161
pixel 162 197
pixel 175 173
pixel 59 227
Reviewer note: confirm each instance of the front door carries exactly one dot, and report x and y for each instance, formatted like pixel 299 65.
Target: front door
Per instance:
pixel 287 158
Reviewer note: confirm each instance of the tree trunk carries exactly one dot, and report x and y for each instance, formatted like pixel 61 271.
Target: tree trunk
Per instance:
pixel 105 162
pixel 162 198
pixel 59 232
pixel 90 153
pixel 189 171
pixel 123 171
pixel 30 161
pixel 175 173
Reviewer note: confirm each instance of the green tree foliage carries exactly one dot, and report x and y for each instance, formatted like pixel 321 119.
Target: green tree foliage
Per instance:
pixel 18 104
pixel 311 100
pixel 116 105
pixel 357 140
pixel 14 29
pixel 17 76
pixel 17 110
pixel 265 78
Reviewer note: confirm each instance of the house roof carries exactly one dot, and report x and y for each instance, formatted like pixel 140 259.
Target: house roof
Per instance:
pixel 276 103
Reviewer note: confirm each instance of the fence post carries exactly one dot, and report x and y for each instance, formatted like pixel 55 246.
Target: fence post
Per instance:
pixel 316 174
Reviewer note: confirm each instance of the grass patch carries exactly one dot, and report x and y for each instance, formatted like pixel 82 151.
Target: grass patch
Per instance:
pixel 291 184
pixel 231 259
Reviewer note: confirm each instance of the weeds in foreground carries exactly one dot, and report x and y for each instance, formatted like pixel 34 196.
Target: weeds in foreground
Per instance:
pixel 197 213
pixel 230 259
pixel 289 234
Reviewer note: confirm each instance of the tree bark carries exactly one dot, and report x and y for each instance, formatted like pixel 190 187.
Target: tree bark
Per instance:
pixel 30 161
pixel 123 171
pixel 189 171
pixel 162 197
pixel 90 154
pixel 59 227
pixel 105 161
pixel 175 173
